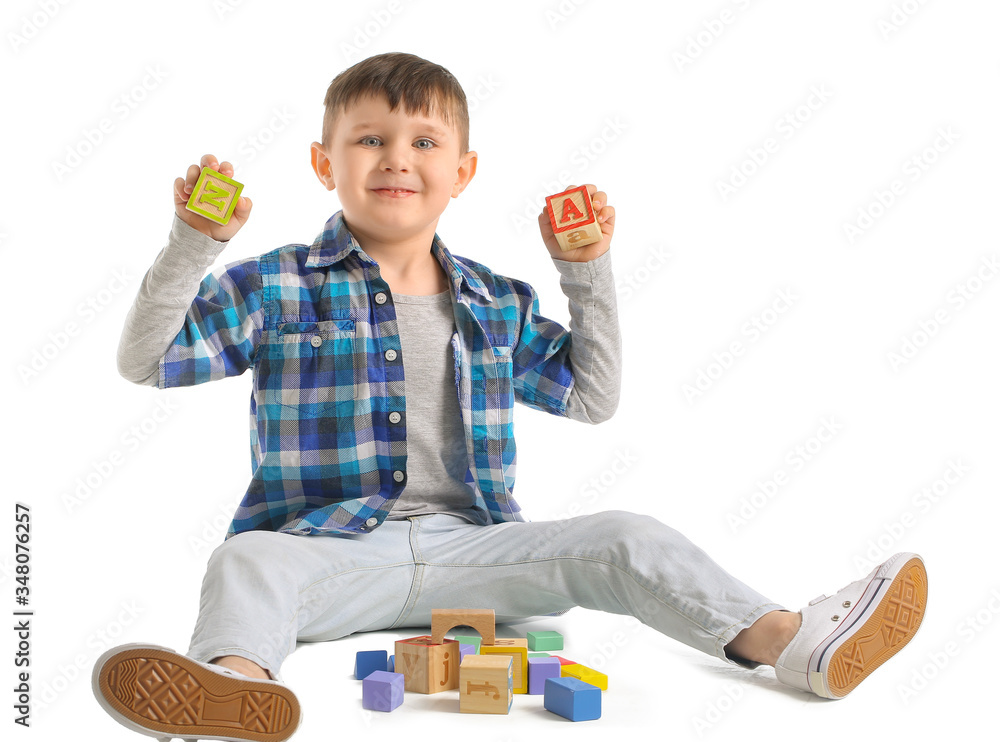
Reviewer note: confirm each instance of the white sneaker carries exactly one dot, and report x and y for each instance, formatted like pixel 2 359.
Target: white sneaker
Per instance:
pixel 157 692
pixel 845 637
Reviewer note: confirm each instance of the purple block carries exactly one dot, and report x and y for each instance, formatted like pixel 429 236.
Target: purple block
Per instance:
pixel 382 691
pixel 539 669
pixel 464 649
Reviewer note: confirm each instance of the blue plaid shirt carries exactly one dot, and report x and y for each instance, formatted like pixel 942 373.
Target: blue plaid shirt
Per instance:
pixel 317 325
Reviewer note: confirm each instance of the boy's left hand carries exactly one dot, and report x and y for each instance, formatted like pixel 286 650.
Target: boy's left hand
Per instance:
pixel 605 217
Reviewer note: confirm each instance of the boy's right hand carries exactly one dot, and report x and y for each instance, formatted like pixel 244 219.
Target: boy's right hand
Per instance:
pixel 182 191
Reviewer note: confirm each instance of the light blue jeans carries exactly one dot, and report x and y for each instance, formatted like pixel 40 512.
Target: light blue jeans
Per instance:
pixel 265 591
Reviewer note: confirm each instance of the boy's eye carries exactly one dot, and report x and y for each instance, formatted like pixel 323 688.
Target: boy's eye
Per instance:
pixel 371 141
pixel 424 144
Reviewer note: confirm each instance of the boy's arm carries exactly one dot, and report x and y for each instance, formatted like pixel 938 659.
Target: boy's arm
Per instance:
pixel 586 361
pixel 595 356
pixel 180 327
pixel 159 310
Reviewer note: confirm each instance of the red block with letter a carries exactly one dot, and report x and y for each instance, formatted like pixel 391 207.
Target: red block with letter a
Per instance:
pixel 574 222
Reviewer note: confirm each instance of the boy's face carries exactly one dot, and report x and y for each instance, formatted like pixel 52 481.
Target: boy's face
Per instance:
pixel 394 171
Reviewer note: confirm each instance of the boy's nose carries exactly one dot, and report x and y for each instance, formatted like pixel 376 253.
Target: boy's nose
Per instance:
pixel 395 158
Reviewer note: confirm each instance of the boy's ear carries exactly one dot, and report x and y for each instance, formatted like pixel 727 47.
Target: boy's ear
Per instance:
pixel 321 165
pixel 466 171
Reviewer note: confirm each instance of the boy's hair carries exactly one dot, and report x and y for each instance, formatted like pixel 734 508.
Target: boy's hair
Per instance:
pixel 420 86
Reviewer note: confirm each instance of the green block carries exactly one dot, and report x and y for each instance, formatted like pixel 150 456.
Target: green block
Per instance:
pixel 475 641
pixel 544 641
pixel 538 654
pixel 214 196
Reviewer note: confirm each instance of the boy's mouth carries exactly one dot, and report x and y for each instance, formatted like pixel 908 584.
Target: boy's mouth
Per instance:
pixel 394 192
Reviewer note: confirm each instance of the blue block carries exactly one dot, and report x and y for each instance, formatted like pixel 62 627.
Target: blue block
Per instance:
pixel 392 663
pixel 365 663
pixel 573 699
pixel 541 669
pixel 382 691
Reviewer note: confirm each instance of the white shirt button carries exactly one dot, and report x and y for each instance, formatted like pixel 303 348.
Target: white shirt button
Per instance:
pixel 316 341
pixel 390 355
pixel 394 417
pixel 371 522
pixel 398 476
pixel 380 298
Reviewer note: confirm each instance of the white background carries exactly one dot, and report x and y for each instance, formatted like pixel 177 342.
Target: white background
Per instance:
pixel 658 104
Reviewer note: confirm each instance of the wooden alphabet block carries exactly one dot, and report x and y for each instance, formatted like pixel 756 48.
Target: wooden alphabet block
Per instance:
pixel 574 222
pixel 573 699
pixel 482 620
pixel 545 641
pixel 512 642
pixel 520 667
pixel 427 666
pixel 214 196
pixel 382 691
pixel 586 674
pixel 486 684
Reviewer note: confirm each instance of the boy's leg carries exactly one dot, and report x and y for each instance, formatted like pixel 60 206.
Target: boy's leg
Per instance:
pixel 616 562
pixel 624 563
pixel 261 590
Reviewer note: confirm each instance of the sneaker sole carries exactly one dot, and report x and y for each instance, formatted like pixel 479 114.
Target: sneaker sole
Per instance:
pixel 155 690
pixel 887 616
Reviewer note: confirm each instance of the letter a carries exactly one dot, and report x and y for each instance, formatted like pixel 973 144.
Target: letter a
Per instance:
pixel 569 206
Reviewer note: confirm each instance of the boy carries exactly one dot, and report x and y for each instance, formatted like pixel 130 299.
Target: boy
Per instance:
pixel 385 372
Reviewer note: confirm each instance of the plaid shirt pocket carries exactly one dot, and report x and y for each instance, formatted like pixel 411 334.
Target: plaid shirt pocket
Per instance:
pixel 308 368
